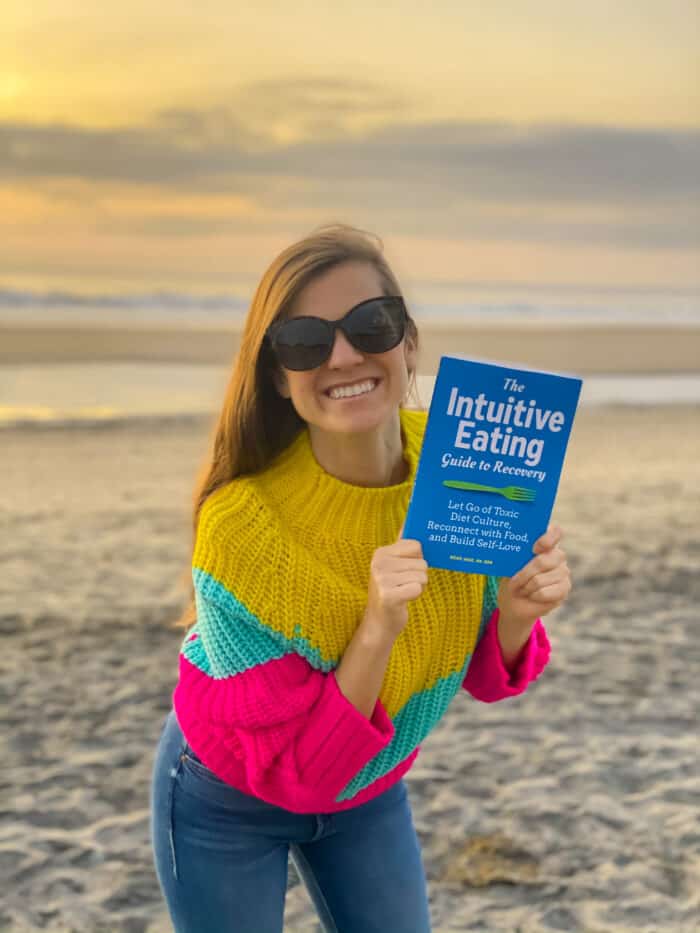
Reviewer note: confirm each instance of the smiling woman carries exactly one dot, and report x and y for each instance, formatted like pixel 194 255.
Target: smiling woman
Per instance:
pixel 303 692
pixel 363 367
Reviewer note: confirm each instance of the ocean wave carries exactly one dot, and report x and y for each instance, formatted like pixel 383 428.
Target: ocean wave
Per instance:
pixel 157 300
pixel 531 303
pixel 41 418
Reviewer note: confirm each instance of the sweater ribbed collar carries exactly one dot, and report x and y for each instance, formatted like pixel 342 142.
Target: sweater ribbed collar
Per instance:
pixel 304 494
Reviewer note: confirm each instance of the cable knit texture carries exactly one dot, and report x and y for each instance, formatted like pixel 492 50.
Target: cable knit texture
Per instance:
pixel 281 574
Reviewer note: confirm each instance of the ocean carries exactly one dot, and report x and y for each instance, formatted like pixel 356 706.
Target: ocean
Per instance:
pixel 480 302
pixel 60 394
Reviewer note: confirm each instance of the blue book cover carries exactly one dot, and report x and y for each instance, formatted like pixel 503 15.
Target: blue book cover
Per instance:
pixel 490 463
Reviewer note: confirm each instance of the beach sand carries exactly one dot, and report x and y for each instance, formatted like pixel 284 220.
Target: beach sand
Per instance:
pixel 573 807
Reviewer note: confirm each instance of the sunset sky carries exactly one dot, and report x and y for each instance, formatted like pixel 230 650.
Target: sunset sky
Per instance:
pixel 182 145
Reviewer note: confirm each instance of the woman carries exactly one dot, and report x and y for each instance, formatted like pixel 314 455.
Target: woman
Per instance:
pixel 324 650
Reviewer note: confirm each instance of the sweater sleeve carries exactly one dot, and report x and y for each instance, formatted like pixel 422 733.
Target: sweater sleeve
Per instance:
pixel 488 679
pixel 264 718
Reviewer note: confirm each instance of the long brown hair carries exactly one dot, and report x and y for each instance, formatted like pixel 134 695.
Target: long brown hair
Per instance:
pixel 255 422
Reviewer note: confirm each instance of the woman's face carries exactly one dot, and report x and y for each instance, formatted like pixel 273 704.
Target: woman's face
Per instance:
pixel 330 297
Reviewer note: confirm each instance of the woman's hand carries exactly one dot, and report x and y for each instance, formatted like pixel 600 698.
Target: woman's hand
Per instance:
pixel 539 587
pixel 397 574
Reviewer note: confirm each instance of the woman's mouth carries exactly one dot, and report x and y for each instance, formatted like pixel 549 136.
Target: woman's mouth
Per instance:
pixel 354 390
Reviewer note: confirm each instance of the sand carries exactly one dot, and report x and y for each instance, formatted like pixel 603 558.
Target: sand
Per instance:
pixel 573 807
pixel 567 346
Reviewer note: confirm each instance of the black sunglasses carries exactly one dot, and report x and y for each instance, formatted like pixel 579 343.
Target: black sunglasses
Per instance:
pixel 373 326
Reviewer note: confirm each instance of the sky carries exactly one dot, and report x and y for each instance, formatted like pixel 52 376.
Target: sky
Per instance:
pixel 181 146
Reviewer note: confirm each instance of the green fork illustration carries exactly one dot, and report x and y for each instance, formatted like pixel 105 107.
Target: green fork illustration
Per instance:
pixel 515 493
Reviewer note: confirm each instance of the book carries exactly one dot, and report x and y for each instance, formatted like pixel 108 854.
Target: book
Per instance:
pixel 490 463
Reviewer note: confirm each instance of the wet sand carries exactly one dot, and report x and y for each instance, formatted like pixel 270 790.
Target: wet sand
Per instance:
pixel 573 807
pixel 564 346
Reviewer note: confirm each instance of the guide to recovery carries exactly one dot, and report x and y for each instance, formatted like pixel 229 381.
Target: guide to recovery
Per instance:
pixel 490 464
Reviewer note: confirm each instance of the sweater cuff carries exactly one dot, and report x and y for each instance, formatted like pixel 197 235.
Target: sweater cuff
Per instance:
pixel 343 740
pixel 488 679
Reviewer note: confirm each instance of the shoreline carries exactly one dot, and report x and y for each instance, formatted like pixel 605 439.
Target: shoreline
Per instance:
pixel 154 422
pixel 568 347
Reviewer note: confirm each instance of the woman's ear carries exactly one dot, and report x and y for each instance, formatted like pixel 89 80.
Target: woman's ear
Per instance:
pixel 410 353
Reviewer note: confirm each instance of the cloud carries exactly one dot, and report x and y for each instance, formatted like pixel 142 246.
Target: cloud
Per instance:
pixel 303 146
pixel 190 147
pixel 554 162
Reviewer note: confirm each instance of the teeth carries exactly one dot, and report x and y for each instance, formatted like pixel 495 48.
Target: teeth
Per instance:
pixel 361 388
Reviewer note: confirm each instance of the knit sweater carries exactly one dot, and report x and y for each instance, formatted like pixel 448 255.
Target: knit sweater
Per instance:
pixel 281 575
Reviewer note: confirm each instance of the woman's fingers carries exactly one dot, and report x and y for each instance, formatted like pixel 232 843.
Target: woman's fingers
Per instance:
pixel 540 564
pixel 551 596
pixel 557 580
pixel 406 563
pixel 549 539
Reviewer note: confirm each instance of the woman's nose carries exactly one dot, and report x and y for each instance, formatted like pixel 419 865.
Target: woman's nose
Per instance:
pixel 343 351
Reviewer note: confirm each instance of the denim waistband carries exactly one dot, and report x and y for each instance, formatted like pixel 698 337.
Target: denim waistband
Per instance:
pixel 186 748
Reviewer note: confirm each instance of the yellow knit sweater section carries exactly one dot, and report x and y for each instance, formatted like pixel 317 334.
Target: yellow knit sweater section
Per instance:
pixel 293 545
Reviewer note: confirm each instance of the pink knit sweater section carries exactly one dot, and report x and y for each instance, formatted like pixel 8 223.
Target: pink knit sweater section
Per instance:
pixel 285 733
pixel 488 679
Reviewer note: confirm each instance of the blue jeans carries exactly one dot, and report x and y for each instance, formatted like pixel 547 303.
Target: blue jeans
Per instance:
pixel 221 855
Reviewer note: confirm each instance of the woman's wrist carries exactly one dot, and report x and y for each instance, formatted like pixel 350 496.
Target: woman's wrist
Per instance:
pixel 513 635
pixel 360 673
pixel 374 633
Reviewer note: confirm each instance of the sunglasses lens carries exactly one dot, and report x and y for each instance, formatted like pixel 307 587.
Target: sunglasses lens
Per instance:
pixel 302 343
pixel 374 326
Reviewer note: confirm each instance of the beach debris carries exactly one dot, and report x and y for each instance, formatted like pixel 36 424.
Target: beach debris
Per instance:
pixel 490 859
